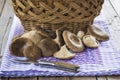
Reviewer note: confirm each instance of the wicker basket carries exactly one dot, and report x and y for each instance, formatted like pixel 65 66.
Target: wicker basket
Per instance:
pixel 50 15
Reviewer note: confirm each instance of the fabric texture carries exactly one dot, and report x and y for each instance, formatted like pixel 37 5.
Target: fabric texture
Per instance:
pixel 104 60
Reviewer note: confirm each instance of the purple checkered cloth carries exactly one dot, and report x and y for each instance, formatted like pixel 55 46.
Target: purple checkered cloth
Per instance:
pixel 104 60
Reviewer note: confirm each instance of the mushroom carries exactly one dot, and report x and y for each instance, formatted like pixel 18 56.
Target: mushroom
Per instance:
pixel 59 39
pixel 44 32
pixel 31 37
pixel 48 47
pixel 16 46
pixel 90 41
pixel 80 34
pixel 73 42
pixel 24 47
pixel 98 33
pixel 63 53
pixel 59 33
pixel 31 51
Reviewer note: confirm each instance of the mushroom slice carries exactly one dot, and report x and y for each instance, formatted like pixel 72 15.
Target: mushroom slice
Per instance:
pixel 80 34
pixel 73 42
pixel 98 33
pixel 90 41
pixel 64 53
pixel 48 47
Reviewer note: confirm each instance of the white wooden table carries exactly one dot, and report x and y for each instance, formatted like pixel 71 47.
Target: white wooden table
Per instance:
pixel 111 10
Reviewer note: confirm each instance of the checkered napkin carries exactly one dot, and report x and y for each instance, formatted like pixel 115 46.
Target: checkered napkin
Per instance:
pixel 104 60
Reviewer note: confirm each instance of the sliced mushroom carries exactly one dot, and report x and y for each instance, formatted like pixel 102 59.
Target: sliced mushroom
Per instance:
pixel 64 53
pixel 80 34
pixel 90 41
pixel 98 33
pixel 48 47
pixel 73 42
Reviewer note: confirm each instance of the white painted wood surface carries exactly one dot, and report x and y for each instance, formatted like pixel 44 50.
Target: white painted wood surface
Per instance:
pixel 111 10
pixel 116 6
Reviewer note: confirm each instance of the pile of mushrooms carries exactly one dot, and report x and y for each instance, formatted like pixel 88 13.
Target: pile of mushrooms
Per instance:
pixel 36 43
pixel 33 45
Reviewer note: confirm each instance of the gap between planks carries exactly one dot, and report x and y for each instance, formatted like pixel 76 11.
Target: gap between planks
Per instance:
pixel 116 6
pixel 55 78
pixel 2 4
pixel 7 12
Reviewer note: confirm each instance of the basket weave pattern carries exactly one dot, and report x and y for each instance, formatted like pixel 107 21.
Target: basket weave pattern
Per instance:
pixel 50 15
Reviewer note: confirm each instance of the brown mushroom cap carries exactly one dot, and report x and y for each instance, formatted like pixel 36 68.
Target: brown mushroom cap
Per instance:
pixel 17 45
pixel 48 47
pixel 73 42
pixel 90 41
pixel 98 33
pixel 33 36
pixel 24 47
pixel 31 51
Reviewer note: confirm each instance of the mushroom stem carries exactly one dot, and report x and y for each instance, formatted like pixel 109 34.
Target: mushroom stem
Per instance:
pixel 59 38
pixel 80 34
pixel 64 53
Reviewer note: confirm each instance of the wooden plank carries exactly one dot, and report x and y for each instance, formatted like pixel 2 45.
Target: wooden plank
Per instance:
pixel 3 78
pixel 116 5
pixel 113 78
pixel 53 78
pixel 2 30
pixel 102 78
pixel 25 78
pixel 4 36
pixel 5 24
pixel 113 22
pixel 82 78
pixel 6 13
pixel 2 2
